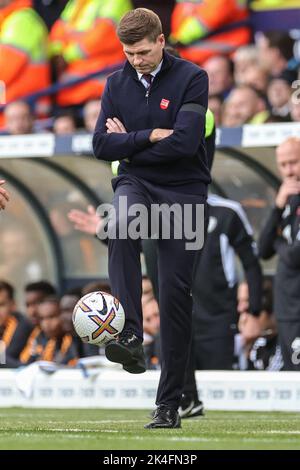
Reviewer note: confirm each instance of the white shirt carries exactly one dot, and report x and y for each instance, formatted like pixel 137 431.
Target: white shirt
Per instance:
pixel 155 72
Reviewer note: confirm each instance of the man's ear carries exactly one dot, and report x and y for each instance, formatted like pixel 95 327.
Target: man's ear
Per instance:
pixel 161 39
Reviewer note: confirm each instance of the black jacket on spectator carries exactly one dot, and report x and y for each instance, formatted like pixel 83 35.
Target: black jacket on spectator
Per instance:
pixel 14 335
pixel 215 283
pixel 40 348
pixel 281 235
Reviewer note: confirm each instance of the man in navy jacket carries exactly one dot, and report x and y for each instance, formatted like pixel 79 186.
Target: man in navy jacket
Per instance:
pixel 153 120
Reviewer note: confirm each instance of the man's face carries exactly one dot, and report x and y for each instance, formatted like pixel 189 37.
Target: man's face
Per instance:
pixel 49 318
pixel 91 112
pixel 151 319
pixel 18 119
pixel 219 75
pixel 67 305
pixel 295 110
pixel 241 106
pixel 288 160
pixel 279 93
pixel 145 55
pixel 256 77
pixel 7 306
pixel 32 300
pixel 267 55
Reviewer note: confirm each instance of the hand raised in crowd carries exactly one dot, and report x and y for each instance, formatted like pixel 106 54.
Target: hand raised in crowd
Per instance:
pixel 249 327
pixel 87 222
pixel 4 196
pixel 288 188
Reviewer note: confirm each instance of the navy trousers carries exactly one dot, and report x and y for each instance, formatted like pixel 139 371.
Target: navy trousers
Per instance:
pixel 175 270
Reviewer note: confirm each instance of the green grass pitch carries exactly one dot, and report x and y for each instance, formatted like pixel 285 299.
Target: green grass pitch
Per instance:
pixel 123 429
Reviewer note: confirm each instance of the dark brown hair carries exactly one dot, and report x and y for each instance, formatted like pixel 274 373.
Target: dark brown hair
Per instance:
pixel 8 288
pixel 139 24
pixel 281 40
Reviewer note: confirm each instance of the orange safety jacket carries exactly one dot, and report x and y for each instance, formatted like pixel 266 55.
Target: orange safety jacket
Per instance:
pixel 204 28
pixel 85 35
pixel 24 66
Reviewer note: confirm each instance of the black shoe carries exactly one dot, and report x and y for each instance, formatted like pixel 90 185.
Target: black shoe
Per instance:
pixel 128 351
pixel 190 408
pixel 197 410
pixel 164 417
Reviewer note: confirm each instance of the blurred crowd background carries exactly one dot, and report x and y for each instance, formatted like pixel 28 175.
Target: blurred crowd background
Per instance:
pixel 48 43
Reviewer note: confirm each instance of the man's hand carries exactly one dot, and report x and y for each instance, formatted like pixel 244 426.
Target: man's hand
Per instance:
pixel 86 222
pixel 4 196
pixel 288 188
pixel 249 327
pixel 160 134
pixel 115 125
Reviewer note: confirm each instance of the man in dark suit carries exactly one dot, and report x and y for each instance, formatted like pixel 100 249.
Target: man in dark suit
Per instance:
pixel 153 119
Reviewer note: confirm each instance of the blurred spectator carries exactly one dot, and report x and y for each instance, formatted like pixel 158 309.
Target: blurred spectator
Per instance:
pixel 215 103
pixel 275 49
pixel 64 124
pixel 281 236
pixel 95 287
pixel 67 304
pixel 208 28
pixel 151 325
pixel 51 344
pixel 91 111
pixel 147 291
pixel 14 327
pixel 71 241
pixel 256 77
pixel 84 40
pixel 49 10
pixel 21 254
pixel 295 108
pixel 85 221
pixel 279 93
pixel 263 353
pixel 244 105
pixel 4 195
pixel 249 330
pixel 220 74
pixel 18 118
pixel 24 64
pixel 244 59
pixel 215 317
pixel 35 293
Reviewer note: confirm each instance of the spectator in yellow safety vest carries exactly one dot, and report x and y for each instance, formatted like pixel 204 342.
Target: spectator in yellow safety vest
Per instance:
pixel 209 27
pixel 24 66
pixel 83 40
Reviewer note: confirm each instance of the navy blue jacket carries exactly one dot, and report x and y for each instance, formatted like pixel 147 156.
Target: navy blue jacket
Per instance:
pixel 178 160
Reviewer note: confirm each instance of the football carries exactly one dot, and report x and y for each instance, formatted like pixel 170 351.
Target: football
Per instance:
pixel 98 318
